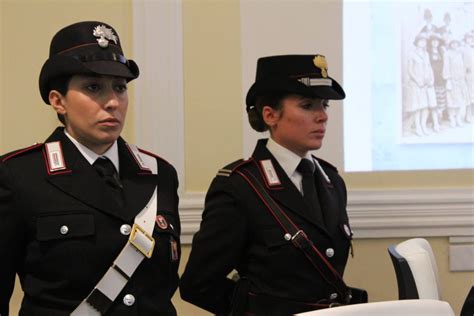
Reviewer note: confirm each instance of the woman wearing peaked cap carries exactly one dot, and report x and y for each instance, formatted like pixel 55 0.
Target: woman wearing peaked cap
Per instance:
pixel 89 222
pixel 279 218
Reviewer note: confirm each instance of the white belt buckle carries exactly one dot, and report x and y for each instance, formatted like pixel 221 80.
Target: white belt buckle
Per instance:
pixel 142 241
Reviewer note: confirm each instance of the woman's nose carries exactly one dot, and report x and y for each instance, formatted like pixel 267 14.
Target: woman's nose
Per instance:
pixel 112 100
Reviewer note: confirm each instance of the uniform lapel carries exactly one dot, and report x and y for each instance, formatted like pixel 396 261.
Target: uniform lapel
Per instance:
pixel 328 200
pixel 286 193
pixel 138 184
pixel 82 182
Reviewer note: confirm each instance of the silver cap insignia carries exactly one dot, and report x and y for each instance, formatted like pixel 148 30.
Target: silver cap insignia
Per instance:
pixel 104 35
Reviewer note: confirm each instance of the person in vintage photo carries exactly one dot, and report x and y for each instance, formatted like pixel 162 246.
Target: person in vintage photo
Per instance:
pixel 421 94
pixel 454 72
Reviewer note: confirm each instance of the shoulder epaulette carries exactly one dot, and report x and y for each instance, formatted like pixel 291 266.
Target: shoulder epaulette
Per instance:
pixel 20 152
pixel 326 164
pixel 230 168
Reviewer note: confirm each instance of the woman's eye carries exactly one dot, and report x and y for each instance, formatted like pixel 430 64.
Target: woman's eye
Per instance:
pixel 315 105
pixel 121 87
pixel 93 87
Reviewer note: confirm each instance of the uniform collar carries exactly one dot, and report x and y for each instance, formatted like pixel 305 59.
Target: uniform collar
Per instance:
pixel 91 157
pixel 287 159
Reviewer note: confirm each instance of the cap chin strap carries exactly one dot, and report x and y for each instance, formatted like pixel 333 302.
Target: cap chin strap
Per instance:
pixel 139 246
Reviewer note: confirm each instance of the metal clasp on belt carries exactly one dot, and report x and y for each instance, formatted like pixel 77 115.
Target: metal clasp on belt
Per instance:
pixel 297 235
pixel 142 241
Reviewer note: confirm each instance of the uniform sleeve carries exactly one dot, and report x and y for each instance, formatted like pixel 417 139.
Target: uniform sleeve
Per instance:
pixel 217 248
pixel 11 233
pixel 168 185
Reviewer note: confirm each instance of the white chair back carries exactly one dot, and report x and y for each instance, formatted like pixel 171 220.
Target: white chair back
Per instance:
pixel 419 256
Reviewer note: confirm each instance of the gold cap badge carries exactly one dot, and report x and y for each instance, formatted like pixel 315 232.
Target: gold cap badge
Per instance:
pixel 320 62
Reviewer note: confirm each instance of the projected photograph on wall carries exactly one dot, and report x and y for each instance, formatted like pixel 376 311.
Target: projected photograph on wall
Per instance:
pixel 408 76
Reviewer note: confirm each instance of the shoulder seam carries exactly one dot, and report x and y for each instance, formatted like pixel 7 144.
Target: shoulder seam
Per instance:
pixel 21 151
pixel 227 172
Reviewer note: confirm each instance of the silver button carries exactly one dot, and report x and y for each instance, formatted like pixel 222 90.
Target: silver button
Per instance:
pixel 125 229
pixel 64 230
pixel 333 296
pixel 287 236
pixel 129 299
pixel 329 252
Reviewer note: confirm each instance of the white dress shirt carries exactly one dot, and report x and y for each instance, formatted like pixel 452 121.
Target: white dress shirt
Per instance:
pixel 91 157
pixel 288 160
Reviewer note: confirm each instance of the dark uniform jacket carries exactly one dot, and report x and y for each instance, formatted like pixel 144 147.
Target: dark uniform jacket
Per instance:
pixel 238 232
pixel 57 271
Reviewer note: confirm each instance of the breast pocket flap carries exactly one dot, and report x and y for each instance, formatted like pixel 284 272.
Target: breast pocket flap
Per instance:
pixel 63 226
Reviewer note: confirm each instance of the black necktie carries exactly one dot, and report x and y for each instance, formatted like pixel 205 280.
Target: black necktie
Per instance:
pixel 107 171
pixel 310 195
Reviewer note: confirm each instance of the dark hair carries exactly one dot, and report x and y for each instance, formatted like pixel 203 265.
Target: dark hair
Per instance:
pixel 254 113
pixel 60 84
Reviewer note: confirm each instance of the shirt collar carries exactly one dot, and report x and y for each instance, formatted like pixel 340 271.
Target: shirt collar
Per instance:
pixel 91 157
pixel 287 159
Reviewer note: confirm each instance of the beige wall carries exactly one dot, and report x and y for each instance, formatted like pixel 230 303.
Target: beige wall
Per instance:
pixel 213 104
pixel 212 85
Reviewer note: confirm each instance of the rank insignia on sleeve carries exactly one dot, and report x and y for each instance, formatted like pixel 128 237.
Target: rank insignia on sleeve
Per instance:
pixel 161 222
pixel 174 250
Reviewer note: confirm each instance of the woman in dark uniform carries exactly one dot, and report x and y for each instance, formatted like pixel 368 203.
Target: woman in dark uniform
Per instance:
pixel 279 218
pixel 89 222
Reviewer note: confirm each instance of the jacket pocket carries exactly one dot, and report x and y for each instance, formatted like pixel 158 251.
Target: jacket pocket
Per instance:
pixel 64 226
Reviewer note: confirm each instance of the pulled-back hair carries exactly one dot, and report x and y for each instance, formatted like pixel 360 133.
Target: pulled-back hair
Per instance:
pixel 273 100
pixel 60 84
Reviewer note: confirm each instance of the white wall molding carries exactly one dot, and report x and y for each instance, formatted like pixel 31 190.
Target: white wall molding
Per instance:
pixel 461 253
pixel 191 206
pixel 159 104
pixel 411 213
pixel 381 213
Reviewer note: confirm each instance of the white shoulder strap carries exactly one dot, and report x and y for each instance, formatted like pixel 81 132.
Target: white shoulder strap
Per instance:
pixel 140 245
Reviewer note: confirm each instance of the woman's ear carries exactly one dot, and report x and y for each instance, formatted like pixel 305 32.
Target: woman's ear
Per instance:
pixel 56 99
pixel 270 116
